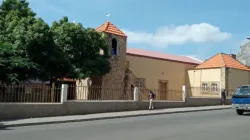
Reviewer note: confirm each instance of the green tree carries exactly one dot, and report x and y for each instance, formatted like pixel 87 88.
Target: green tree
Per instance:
pixel 64 50
pixel 31 40
pixel 82 47
pixel 52 63
pixel 11 65
pixel 15 20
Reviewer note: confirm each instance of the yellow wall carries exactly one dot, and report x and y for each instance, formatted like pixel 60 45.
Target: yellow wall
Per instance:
pixel 154 70
pixel 196 77
pixel 229 80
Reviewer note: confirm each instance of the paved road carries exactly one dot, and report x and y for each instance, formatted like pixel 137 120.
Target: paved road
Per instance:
pixel 217 125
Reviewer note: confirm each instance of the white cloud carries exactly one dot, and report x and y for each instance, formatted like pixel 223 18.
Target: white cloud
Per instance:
pixel 179 35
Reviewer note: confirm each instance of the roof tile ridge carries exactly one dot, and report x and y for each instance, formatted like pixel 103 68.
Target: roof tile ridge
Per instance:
pixel 241 63
pixel 223 60
pixel 107 26
pixel 117 28
pixel 206 60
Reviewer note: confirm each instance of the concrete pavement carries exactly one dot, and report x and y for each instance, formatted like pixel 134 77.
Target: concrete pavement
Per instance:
pixel 206 125
pixel 101 116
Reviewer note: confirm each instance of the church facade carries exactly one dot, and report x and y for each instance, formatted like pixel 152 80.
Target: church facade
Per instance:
pixel 132 68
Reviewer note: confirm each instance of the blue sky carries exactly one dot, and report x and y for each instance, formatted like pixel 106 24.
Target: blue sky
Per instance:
pixel 198 28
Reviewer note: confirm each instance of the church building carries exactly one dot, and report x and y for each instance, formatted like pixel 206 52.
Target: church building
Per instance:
pixel 132 67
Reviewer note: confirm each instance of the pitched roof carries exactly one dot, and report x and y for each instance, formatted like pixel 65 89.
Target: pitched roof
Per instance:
pixel 163 56
pixel 108 27
pixel 222 60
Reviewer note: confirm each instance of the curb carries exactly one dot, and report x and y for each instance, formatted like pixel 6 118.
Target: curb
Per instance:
pixel 110 117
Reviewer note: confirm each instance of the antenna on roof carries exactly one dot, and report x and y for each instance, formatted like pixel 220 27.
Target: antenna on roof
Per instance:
pixel 108 15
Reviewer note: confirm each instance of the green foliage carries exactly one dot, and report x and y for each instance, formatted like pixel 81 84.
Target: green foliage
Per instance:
pixel 82 47
pixel 16 65
pixel 13 67
pixel 20 8
pixel 51 60
pixel 30 49
pixel 31 40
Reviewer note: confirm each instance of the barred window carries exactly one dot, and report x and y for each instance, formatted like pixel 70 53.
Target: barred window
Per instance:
pixel 204 86
pixel 214 87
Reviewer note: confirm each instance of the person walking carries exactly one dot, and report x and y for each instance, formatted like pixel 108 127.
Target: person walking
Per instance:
pixel 223 96
pixel 151 99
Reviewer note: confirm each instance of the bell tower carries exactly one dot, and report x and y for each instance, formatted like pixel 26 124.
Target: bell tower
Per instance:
pixel 117 49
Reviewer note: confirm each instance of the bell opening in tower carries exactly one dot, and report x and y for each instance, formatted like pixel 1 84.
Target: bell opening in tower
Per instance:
pixel 114 47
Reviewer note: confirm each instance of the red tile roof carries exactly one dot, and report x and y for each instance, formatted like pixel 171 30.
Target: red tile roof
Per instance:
pixel 222 60
pixel 163 56
pixel 108 27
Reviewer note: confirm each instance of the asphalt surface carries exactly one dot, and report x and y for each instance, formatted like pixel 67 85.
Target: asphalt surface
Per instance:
pixel 217 125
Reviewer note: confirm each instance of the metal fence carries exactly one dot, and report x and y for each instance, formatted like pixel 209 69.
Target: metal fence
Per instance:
pixel 119 93
pixel 202 92
pixel 29 93
pixel 47 94
pixel 99 93
pixel 162 95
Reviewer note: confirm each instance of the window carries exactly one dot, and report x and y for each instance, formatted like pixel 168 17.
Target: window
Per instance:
pixel 214 87
pixel 244 90
pixel 204 86
pixel 114 47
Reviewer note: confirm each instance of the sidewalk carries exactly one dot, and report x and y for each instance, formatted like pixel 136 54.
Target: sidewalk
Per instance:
pixel 102 116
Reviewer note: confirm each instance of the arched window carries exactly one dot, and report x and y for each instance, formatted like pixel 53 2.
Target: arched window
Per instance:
pixel 114 47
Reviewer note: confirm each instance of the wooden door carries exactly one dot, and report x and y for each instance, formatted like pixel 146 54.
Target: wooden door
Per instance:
pixel 163 87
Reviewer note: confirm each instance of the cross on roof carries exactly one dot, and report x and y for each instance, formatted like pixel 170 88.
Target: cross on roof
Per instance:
pixel 108 15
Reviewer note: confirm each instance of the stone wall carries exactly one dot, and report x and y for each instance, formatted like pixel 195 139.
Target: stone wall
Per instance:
pixel 114 80
pixel 28 110
pixel 129 84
